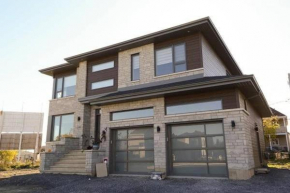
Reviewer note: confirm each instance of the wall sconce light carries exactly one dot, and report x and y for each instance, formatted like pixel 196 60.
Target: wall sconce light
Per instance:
pixel 79 118
pixel 233 124
pixel 158 129
pixel 256 127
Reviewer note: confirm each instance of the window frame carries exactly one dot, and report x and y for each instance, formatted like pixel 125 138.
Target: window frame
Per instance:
pixel 111 114
pixel 62 86
pixel 132 69
pixel 60 122
pixel 101 64
pixel 103 81
pixel 198 101
pixel 173 59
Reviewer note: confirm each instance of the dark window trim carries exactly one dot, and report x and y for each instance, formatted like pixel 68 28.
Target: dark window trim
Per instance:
pixel 245 104
pixel 173 57
pixel 99 63
pixel 111 113
pixel 102 81
pixel 136 54
pixel 60 121
pixel 62 86
pixel 197 101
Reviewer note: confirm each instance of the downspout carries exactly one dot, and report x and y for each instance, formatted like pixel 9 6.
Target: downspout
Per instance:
pixel 270 143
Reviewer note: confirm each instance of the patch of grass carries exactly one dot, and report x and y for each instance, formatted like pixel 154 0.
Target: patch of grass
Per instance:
pixel 19 166
pixel 279 164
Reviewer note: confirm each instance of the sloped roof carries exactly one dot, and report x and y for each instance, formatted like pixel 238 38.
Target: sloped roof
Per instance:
pixel 277 113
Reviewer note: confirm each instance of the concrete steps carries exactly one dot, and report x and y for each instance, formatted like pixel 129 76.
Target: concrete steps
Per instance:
pixel 73 162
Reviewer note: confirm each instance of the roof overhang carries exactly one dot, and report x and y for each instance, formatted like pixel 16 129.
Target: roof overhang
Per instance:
pixel 204 25
pixel 58 69
pixel 247 84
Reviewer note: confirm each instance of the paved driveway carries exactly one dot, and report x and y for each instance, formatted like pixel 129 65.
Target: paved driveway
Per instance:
pixel 277 181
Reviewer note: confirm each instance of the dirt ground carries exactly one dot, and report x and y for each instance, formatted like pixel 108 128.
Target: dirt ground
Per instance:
pixel 8 174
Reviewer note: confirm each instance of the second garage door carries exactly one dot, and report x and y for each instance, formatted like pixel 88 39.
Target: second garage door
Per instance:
pixel 197 150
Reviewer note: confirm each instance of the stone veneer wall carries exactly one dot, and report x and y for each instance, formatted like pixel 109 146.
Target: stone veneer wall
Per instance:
pixel 239 143
pixel 147 67
pixel 71 105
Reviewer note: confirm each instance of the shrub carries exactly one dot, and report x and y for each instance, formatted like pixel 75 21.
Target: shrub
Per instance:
pixel 7 156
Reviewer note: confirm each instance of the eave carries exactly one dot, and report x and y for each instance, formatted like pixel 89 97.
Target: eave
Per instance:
pixel 247 84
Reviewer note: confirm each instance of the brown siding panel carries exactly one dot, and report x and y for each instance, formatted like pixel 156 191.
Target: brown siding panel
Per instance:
pixel 193 49
pixel 106 74
pixel 228 97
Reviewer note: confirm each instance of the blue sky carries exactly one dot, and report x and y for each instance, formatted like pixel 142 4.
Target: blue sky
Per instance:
pixel 37 34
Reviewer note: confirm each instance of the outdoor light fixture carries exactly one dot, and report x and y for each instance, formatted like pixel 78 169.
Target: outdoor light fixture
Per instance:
pixel 233 124
pixel 79 118
pixel 158 129
pixel 256 127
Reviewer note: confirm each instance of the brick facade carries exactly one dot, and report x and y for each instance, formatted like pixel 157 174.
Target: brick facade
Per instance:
pixel 147 68
pixel 240 145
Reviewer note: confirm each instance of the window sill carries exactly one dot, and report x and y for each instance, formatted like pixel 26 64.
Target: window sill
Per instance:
pixel 177 73
pixel 133 81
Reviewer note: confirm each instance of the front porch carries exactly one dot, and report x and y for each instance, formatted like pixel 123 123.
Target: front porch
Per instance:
pixel 66 157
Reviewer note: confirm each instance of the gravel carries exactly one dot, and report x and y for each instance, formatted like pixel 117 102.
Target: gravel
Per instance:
pixel 276 181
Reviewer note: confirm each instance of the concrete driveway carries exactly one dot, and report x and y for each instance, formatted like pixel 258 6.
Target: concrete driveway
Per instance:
pixel 276 181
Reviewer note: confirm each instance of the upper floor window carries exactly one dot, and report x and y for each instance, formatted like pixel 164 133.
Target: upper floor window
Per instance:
pixel 135 66
pixel 65 86
pixel 170 60
pixel 103 66
pixel 103 84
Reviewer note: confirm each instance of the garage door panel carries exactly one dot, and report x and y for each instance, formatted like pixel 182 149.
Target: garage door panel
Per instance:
pixel 141 167
pixel 184 143
pixel 187 131
pixel 217 169
pixel 189 155
pixel 141 156
pixel 190 168
pixel 216 155
pixel 140 133
pixel 215 142
pixel 141 144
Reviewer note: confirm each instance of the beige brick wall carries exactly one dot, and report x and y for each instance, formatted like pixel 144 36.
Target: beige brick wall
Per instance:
pixel 238 140
pixel 147 73
pixel 71 105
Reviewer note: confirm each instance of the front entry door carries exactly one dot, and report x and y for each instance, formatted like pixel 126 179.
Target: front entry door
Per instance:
pixel 133 150
pixel 197 150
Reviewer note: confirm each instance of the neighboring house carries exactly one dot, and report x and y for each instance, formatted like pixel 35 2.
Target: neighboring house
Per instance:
pixel 282 140
pixel 173 101
pixel 21 131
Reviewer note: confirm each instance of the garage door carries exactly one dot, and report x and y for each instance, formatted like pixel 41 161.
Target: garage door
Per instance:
pixel 133 150
pixel 197 150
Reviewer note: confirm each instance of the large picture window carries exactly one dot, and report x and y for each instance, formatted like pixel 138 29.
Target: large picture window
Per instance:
pixel 62 126
pixel 170 60
pixel 132 114
pixel 194 107
pixel 65 86
pixel 135 67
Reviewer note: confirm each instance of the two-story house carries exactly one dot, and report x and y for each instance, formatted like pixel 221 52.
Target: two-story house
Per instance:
pixel 282 140
pixel 173 101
